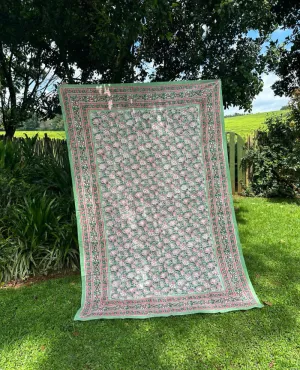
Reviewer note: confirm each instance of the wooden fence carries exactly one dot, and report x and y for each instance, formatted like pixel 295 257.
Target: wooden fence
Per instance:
pixel 236 146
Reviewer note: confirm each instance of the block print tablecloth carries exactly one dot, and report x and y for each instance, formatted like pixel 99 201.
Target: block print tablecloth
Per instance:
pixel 156 225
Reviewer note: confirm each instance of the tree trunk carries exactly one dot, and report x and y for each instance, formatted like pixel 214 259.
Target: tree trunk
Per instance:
pixel 9 132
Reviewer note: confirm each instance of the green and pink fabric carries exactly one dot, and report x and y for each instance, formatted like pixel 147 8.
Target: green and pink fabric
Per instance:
pixel 157 230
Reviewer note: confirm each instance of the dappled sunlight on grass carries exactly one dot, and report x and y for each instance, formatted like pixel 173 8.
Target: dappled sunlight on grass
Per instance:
pixel 42 315
pixel 29 352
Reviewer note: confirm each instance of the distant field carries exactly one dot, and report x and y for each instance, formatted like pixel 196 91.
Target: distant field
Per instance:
pixel 50 134
pixel 242 125
pixel 245 125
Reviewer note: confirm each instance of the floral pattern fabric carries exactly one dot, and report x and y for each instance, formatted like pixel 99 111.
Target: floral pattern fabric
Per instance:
pixel 156 229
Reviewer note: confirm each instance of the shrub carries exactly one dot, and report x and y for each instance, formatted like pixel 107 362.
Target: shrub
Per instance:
pixel 37 220
pixel 274 158
pixel 37 237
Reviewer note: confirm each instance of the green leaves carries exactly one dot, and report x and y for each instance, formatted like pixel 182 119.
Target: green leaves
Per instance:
pixel 38 230
pixel 116 41
pixel 284 57
pixel 274 158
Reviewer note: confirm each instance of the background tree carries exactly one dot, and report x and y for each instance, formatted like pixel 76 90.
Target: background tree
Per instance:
pixel 57 123
pixel 32 123
pixel 26 85
pixel 108 41
pixel 43 43
pixel 27 76
pixel 285 57
pixel 208 40
pixel 186 39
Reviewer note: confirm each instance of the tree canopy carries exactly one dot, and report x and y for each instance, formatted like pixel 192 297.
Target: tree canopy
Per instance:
pixel 108 41
pixel 285 58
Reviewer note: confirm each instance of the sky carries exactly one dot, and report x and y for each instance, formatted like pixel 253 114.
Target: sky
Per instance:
pixel 266 101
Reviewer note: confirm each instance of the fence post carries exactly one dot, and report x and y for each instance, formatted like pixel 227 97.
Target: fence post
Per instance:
pixel 232 160
pixel 236 151
pixel 248 145
pixel 240 152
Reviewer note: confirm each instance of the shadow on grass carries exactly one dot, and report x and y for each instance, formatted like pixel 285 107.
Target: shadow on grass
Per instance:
pixel 43 316
pixel 295 201
pixel 240 211
pixel 38 321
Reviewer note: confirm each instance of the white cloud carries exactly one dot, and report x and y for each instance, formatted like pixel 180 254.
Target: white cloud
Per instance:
pixel 266 101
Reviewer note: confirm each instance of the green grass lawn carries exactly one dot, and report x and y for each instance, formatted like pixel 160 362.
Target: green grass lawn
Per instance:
pixel 245 125
pixel 37 330
pixel 50 134
pixel 242 125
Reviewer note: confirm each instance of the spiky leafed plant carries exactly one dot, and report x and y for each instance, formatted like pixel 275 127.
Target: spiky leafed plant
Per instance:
pixel 37 215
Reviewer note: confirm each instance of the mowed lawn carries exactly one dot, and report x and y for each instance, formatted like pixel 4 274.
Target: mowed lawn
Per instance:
pixel 50 134
pixel 242 125
pixel 37 330
pixel 245 125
